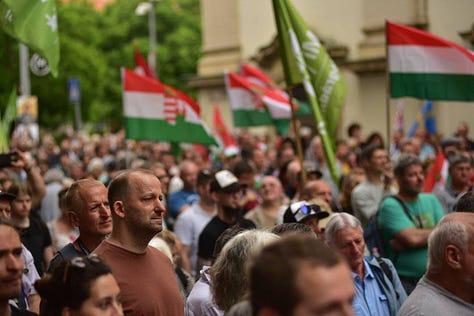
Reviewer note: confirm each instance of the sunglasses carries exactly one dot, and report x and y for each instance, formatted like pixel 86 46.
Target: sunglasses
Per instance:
pixel 80 263
pixel 308 209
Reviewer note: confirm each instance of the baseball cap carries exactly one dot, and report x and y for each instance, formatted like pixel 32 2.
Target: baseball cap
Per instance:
pixel 7 196
pixel 301 211
pixel 225 181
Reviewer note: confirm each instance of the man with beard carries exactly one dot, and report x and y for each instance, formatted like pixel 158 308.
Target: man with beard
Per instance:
pixel 11 268
pixel 407 220
pixel 226 192
pixel 89 211
pixel 144 274
pixel 447 288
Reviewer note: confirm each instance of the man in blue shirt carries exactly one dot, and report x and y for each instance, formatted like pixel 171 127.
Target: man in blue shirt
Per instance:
pixel 378 288
pixel 181 200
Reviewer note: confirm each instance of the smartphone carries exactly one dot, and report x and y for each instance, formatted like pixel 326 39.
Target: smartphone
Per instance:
pixel 6 159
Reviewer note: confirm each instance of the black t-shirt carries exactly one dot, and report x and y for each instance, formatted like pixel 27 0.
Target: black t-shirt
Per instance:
pixel 36 238
pixel 212 231
pixel 68 252
pixel 21 312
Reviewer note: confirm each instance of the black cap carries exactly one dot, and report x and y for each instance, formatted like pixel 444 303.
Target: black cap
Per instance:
pixel 225 181
pixel 299 212
pixel 7 196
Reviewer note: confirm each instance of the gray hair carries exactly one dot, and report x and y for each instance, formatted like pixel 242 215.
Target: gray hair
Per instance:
pixel 405 161
pixel 447 232
pixel 339 221
pixel 230 280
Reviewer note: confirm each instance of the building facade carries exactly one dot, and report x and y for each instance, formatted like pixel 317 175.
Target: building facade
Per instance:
pixel 237 31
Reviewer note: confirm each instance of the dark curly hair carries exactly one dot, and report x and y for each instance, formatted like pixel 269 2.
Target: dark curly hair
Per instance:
pixel 69 284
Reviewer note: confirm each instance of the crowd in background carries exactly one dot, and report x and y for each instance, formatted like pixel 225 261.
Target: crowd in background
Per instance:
pixel 270 185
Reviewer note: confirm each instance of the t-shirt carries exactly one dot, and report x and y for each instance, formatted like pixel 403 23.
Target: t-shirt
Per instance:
pixel 392 219
pixel 21 312
pixel 212 231
pixel 365 200
pixel 179 199
pixel 36 238
pixel 428 298
pixel 66 253
pixel 188 227
pixel 262 219
pixel 146 280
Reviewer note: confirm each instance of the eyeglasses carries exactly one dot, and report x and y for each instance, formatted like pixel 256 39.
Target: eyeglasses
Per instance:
pixel 81 263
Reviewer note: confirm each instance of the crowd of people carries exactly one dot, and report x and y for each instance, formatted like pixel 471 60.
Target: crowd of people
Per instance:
pixel 102 225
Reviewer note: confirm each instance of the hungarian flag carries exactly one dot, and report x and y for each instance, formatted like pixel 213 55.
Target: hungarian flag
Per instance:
pixel 258 77
pixel 222 132
pixel 425 66
pixel 154 111
pixel 255 75
pixel 437 173
pixel 35 24
pixel 141 66
pixel 254 105
pixel 306 62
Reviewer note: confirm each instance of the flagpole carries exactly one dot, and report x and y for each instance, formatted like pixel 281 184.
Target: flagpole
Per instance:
pixel 299 148
pixel 387 86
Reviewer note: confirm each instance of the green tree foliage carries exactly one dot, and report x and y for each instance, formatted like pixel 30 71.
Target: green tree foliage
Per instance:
pixel 95 45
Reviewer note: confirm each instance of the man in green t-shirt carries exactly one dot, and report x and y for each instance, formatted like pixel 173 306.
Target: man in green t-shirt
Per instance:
pixel 405 235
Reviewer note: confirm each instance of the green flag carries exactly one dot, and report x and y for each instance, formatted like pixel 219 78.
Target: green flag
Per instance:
pixel 7 119
pixel 306 61
pixel 33 23
pixel 324 76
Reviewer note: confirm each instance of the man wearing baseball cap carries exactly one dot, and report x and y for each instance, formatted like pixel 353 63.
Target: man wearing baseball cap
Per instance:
pixel 305 213
pixel 226 191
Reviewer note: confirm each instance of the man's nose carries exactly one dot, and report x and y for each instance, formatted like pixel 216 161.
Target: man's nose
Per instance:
pixel 14 263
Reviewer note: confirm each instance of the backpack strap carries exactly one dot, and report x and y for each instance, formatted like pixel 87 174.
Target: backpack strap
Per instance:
pixel 417 223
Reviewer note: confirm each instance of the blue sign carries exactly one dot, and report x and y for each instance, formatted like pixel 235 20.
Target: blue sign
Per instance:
pixel 74 89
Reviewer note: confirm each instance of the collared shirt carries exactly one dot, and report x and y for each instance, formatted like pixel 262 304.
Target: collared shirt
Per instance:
pixel 369 299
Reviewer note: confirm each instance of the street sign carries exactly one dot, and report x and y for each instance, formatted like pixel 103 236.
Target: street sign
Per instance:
pixel 74 89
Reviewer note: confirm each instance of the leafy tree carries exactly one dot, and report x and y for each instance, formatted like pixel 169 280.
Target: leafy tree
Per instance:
pixel 95 45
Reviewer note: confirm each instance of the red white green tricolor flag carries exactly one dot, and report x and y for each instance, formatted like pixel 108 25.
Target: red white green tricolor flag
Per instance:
pixel 154 111
pixel 255 105
pixel 425 66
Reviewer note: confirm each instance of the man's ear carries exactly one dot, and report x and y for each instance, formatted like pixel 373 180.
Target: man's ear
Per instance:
pixel 67 311
pixel 214 197
pixel 74 219
pixel 119 209
pixel 453 256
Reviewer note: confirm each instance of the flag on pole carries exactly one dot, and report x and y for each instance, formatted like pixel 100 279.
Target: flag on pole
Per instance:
pixel 254 105
pixel 7 119
pixel 33 23
pixel 258 77
pixel 141 66
pixel 424 120
pixel 324 76
pixel 145 117
pixel 425 66
pixel 305 61
pixel 226 138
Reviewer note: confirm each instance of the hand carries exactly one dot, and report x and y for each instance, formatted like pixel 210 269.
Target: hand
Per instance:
pixel 396 245
pixel 22 162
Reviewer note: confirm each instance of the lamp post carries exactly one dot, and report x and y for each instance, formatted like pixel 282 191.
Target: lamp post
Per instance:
pixel 142 9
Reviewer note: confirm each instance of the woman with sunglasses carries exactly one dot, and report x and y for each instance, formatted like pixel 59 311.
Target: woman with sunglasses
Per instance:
pixel 79 287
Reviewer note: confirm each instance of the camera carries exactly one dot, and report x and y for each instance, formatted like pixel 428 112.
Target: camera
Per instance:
pixel 6 159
